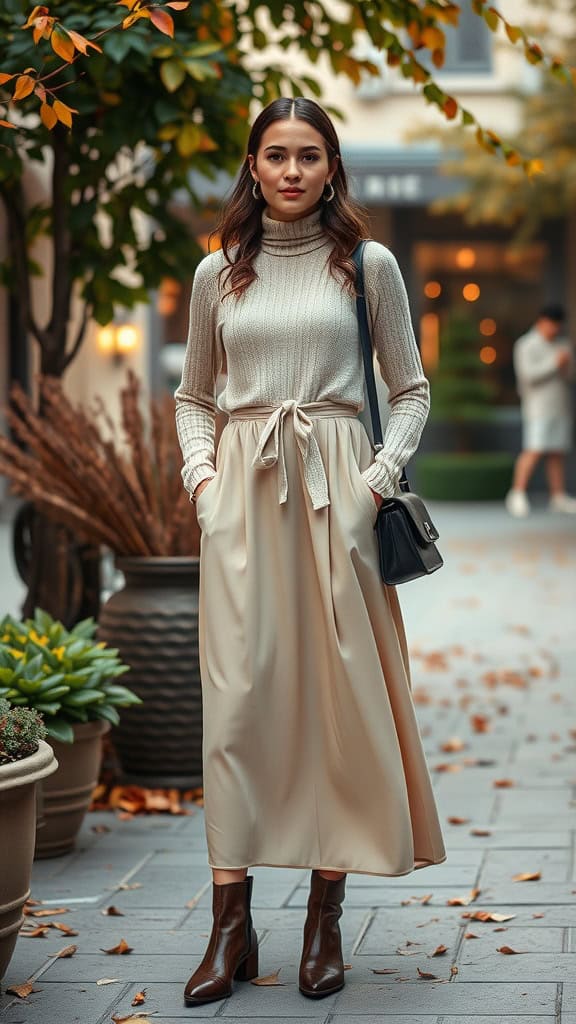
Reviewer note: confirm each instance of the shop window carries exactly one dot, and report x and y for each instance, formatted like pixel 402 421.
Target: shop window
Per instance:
pixel 490 289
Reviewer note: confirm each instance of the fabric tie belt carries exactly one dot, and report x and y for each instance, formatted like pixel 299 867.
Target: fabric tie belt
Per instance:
pixel 270 448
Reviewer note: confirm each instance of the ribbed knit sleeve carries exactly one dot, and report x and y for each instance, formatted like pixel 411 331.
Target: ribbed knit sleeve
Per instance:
pixel 400 366
pixel 195 395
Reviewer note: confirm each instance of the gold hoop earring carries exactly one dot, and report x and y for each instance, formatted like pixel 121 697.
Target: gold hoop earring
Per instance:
pixel 330 197
pixel 255 192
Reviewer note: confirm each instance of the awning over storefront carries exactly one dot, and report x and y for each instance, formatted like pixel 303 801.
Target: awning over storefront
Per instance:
pixel 407 176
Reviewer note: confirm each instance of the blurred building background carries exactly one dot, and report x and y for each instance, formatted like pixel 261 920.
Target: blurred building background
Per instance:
pixel 494 287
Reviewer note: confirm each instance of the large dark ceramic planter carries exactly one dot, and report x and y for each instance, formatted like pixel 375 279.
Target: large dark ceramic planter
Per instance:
pixel 153 620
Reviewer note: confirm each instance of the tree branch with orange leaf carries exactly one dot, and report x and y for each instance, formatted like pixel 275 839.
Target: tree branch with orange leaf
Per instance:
pixel 388 24
pixel 69 45
pixel 163 89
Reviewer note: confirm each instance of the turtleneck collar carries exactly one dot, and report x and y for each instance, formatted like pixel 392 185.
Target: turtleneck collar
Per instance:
pixel 294 237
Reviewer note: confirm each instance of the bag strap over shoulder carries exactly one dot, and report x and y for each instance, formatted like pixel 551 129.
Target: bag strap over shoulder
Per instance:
pixel 367 354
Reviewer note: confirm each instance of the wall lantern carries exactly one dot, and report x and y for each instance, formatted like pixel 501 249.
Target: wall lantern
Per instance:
pixel 118 340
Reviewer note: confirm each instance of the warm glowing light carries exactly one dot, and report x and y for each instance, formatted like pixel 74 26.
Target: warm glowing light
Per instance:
pixel 126 338
pixel 488 354
pixel 117 339
pixel 430 340
pixel 106 339
pixel 488 327
pixel 471 292
pixel 466 258
pixel 432 289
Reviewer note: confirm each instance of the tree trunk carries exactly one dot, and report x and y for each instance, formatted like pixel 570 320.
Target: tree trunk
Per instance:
pixel 61 573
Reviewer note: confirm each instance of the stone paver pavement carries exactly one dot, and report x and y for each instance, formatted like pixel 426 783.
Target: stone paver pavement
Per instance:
pixel 493 641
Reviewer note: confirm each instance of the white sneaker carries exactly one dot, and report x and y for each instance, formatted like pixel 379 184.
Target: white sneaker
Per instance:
pixel 562 503
pixel 517 504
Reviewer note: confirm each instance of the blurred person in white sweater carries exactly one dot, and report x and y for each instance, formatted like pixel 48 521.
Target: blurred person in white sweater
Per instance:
pixel 544 364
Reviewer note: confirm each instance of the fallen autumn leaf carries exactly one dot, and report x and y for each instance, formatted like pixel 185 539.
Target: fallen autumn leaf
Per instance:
pixel 118 950
pixel 23 990
pixel 68 951
pixel 463 901
pixel 49 912
pixel 452 745
pixel 134 1018
pixel 268 979
pixel 64 928
pixel 485 915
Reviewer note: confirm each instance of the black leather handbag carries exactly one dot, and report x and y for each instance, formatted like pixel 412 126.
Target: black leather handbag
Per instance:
pixel 406 534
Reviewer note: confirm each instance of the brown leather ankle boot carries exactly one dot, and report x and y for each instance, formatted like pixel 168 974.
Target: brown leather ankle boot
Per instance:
pixel 322 966
pixel 232 951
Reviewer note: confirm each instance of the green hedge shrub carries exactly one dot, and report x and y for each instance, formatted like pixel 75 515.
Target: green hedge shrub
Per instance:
pixel 470 476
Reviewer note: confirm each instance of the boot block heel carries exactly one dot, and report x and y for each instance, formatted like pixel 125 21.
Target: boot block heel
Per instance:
pixel 248 969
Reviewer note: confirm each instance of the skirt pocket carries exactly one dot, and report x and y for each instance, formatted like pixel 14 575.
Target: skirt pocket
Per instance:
pixel 364 492
pixel 203 500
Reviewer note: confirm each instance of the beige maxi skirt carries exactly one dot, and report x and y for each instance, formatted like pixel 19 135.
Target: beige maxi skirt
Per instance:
pixel 312 753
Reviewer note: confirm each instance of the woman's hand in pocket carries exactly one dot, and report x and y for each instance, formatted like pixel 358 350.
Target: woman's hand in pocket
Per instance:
pixel 377 498
pixel 202 487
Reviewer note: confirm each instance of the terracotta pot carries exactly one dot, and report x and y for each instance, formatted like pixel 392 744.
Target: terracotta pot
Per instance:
pixel 67 794
pixel 18 816
pixel 153 620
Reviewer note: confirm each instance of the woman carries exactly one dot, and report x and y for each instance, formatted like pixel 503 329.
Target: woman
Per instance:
pixel 312 756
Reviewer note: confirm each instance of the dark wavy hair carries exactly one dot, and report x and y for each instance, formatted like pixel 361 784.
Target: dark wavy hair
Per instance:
pixel 343 220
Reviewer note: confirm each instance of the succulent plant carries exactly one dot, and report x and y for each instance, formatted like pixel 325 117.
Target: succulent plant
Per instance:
pixel 63 674
pixel 21 729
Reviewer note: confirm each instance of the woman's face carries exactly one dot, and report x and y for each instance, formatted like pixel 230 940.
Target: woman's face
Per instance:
pixel 292 168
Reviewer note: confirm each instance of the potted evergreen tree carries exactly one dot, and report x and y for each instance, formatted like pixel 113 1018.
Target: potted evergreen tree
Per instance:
pixel 461 408
pixel 25 760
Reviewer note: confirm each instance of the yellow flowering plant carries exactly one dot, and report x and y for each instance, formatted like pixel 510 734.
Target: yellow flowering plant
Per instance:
pixel 63 674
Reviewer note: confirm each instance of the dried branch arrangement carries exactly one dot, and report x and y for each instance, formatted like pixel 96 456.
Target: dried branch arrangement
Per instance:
pixel 127 496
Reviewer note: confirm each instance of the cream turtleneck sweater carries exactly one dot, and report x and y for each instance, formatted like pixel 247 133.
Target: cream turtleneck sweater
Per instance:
pixel 294 335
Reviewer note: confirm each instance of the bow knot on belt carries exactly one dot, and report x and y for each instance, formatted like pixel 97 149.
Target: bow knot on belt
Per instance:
pixel 270 447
